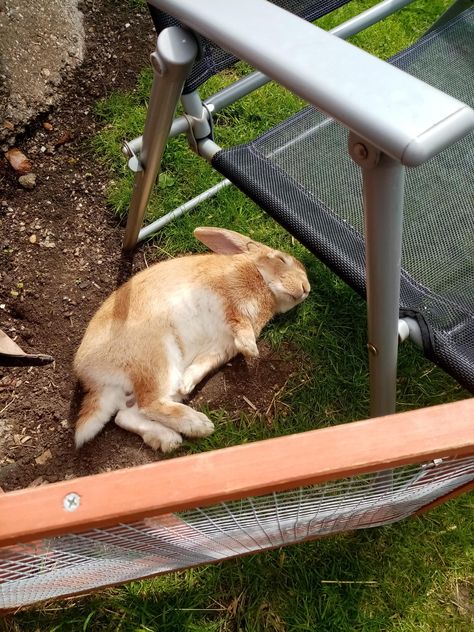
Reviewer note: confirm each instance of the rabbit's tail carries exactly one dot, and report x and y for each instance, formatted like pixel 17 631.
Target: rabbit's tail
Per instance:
pixel 97 408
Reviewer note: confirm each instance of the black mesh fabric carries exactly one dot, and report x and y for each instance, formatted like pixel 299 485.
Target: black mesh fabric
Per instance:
pixel 213 59
pixel 300 173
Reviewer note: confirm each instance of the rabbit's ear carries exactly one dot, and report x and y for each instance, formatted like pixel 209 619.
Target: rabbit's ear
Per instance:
pixel 226 242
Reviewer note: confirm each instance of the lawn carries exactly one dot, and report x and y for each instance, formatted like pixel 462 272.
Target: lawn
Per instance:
pixel 415 575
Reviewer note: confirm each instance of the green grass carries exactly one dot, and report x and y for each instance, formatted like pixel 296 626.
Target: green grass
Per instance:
pixel 417 575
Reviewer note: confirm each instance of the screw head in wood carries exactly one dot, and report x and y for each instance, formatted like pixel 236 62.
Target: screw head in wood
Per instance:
pixel 71 501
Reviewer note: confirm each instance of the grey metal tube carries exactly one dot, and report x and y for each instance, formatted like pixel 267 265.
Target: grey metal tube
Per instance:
pixel 192 103
pixel 187 206
pixel 236 91
pixel 383 188
pixel 172 61
pixel 257 79
pixel 368 17
pixel 130 147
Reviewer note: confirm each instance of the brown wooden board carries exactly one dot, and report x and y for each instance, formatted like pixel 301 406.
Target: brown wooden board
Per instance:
pixel 237 472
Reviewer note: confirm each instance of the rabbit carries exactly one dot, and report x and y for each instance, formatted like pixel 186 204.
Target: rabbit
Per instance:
pixel 157 336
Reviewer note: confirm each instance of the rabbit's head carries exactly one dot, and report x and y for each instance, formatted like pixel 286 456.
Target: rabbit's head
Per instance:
pixel 284 275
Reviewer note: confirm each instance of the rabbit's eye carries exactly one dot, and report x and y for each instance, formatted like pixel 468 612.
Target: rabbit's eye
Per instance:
pixel 281 258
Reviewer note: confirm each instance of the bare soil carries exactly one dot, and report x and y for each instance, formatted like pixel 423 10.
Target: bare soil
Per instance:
pixel 60 257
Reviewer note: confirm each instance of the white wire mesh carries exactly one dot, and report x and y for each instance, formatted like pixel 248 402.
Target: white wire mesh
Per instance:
pixel 80 562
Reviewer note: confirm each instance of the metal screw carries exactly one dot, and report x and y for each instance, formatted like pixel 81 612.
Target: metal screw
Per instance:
pixel 71 502
pixel 360 151
pixel 372 349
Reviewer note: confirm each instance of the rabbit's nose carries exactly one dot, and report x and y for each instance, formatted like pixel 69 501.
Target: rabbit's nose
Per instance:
pixel 305 289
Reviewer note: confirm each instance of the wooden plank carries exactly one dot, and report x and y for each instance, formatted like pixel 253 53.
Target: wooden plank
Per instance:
pixel 252 469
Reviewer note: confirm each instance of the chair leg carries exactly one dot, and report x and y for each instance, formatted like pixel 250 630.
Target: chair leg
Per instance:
pixel 383 191
pixel 172 60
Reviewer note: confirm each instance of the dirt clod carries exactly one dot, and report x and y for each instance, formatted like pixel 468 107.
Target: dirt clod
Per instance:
pixel 28 181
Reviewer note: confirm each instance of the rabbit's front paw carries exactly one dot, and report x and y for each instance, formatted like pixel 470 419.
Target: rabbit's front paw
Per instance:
pixel 247 346
pixel 189 381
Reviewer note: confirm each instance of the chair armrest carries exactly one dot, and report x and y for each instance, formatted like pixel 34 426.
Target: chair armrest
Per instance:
pixel 401 115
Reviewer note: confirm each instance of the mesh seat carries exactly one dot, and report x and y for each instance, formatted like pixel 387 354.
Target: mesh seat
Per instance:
pixel 301 174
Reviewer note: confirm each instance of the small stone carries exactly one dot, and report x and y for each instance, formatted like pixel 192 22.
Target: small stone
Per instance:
pixel 28 181
pixel 47 126
pixel 43 458
pixel 32 239
pixel 47 244
pixel 45 72
pixel 65 137
pixel 8 125
pixel 37 482
pixel 18 160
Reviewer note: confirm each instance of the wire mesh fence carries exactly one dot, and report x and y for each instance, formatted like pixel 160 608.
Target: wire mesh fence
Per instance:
pixel 75 563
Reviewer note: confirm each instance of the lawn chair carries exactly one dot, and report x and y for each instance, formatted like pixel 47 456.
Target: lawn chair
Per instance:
pixel 74 536
pixel 295 171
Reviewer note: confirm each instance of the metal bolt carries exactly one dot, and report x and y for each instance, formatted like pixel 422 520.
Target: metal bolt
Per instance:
pixel 372 349
pixel 360 151
pixel 71 502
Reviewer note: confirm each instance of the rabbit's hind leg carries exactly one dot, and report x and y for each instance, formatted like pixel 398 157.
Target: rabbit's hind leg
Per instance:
pixel 153 433
pixel 179 417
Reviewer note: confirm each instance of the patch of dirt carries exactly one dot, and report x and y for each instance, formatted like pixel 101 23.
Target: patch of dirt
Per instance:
pixel 463 599
pixel 249 385
pixel 60 258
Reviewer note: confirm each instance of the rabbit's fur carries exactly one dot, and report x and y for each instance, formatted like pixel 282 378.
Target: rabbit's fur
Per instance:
pixel 156 337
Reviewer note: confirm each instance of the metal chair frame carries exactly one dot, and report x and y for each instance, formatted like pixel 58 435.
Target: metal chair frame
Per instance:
pixel 381 141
